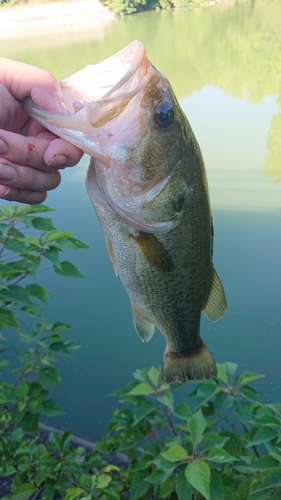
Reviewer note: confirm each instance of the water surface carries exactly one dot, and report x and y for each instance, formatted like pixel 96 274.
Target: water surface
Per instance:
pixel 224 63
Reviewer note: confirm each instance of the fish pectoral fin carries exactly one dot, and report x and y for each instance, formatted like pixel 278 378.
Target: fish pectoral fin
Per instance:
pixel 216 305
pixel 111 254
pixel 144 328
pixel 154 251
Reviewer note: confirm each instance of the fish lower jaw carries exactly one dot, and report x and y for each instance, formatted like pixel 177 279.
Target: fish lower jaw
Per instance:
pixel 197 365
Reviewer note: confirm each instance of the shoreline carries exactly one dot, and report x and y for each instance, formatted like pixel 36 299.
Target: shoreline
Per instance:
pixel 63 16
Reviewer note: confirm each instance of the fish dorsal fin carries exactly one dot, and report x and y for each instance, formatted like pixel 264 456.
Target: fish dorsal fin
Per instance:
pixel 215 306
pixel 144 328
pixel 154 251
pixel 111 255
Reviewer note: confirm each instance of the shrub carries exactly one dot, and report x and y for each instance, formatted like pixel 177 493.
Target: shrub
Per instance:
pixel 220 443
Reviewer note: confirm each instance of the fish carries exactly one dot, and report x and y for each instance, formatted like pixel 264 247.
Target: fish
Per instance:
pixel 147 182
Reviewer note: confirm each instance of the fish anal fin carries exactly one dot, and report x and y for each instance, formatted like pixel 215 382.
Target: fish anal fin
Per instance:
pixel 216 305
pixel 154 251
pixel 197 365
pixel 144 327
pixel 111 254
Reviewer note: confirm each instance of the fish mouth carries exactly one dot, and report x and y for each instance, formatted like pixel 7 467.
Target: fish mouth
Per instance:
pixel 95 98
pixel 107 119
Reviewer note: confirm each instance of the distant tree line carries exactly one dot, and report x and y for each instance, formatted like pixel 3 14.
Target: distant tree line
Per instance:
pixel 123 7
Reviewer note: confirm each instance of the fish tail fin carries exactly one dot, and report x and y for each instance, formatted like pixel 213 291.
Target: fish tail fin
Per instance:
pixel 197 365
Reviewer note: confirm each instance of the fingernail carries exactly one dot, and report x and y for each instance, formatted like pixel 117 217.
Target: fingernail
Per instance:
pixel 55 161
pixel 3 147
pixel 5 190
pixel 7 173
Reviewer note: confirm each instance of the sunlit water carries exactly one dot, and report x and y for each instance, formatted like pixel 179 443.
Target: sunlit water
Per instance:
pixel 224 63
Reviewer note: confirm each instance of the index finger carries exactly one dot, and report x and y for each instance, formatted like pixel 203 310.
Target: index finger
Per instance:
pixel 23 80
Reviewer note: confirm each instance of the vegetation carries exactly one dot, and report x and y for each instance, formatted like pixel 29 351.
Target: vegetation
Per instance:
pixel 123 7
pixel 222 442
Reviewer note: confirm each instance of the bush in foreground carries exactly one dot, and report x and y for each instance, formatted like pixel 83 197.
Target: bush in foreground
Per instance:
pixel 220 443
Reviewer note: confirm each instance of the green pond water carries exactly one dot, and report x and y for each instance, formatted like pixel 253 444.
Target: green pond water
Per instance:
pixel 224 63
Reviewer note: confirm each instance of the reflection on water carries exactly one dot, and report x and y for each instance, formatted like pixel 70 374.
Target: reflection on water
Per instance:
pixel 225 66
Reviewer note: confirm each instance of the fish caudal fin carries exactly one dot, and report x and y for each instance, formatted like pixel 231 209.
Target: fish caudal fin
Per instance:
pixel 179 368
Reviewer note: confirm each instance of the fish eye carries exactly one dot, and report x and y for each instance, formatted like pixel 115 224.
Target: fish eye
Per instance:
pixel 164 115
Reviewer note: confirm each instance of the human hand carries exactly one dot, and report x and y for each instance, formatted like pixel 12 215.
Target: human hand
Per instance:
pixel 30 155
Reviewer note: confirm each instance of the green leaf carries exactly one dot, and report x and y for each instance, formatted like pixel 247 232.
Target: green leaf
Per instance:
pixel 222 403
pixel 274 451
pixel 263 435
pixel 31 240
pixel 154 376
pixel 61 443
pixel 262 464
pixel 197 424
pixel 6 211
pixel 222 373
pixel 213 439
pixel 60 327
pixel 139 486
pixel 23 491
pixel 61 347
pixel 244 489
pixel 205 392
pixel 247 377
pixel 16 294
pixel 244 413
pixel 166 488
pixel 53 254
pixel 277 495
pixel 42 223
pixel 7 393
pixel 16 245
pixel 234 445
pixel 73 493
pixel 103 481
pixel 142 389
pixel 143 409
pixel 217 491
pixel 8 318
pixel 198 475
pixel 22 389
pixel 68 269
pixel 175 453
pixel 56 235
pixel 167 399
pixel 158 477
pixel 184 490
pixel 48 376
pixel 17 434
pixel 183 411
pixel 74 243
pixel 29 422
pixel 35 209
pixel 50 408
pixel 37 291
pixel 272 479
pixel 231 368
pixel 220 455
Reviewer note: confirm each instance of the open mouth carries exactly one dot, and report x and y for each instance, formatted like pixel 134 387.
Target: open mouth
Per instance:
pixel 95 96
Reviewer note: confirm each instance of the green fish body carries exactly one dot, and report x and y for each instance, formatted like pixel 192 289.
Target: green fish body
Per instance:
pixel 148 186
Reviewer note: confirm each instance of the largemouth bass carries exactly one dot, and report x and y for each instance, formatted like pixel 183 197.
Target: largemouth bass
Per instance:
pixel 148 186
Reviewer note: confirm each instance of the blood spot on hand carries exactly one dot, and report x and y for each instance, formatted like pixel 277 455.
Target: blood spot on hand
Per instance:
pixel 31 146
